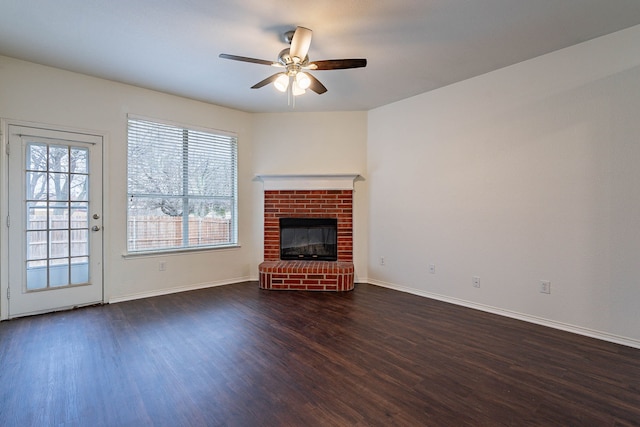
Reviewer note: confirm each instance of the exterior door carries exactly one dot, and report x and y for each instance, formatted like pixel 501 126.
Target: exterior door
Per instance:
pixel 55 220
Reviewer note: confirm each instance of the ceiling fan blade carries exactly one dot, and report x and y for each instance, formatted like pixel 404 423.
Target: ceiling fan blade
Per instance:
pixel 337 64
pixel 315 85
pixel 266 81
pixel 245 59
pixel 300 44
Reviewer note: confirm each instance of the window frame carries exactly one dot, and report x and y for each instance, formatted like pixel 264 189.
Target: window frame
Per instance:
pixel 233 240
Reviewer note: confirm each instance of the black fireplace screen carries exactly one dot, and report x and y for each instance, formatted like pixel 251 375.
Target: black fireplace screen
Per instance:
pixel 309 239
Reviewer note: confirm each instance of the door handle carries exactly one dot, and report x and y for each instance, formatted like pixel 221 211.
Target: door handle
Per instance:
pixel 95 228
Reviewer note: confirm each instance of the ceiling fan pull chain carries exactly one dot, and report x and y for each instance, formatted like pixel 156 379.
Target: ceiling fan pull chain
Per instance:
pixel 291 100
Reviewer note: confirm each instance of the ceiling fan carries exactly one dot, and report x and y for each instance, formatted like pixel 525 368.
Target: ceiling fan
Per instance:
pixel 295 63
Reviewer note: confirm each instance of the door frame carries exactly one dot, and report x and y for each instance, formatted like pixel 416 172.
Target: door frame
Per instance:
pixel 4 201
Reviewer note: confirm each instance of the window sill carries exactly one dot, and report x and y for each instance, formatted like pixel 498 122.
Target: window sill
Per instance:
pixel 152 254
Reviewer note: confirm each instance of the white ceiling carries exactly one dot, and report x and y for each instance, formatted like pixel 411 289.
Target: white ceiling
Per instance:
pixel 412 46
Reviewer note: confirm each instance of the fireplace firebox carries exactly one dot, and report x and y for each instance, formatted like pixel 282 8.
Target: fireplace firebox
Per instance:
pixel 309 239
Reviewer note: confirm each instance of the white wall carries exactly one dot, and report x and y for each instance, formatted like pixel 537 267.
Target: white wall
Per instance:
pixel 34 93
pixel 314 143
pixel 525 174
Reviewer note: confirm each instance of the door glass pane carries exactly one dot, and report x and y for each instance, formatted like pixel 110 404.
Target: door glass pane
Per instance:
pixel 79 217
pixel 59 272
pixel 58 215
pixel 36 215
pixel 36 185
pixel 37 245
pixel 79 242
pixel 79 187
pixel 37 157
pixel 58 158
pixel 58 186
pixel 59 244
pixel 36 275
pixel 79 270
pixel 79 160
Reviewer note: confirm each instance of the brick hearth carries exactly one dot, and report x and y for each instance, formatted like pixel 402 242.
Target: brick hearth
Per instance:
pixel 307 275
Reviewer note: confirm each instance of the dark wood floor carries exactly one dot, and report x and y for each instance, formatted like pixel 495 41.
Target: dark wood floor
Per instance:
pixel 239 356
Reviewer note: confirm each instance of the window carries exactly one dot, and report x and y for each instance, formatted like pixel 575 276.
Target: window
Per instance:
pixel 182 187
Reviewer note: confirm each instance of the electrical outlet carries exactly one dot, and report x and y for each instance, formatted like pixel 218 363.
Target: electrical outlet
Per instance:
pixel 545 287
pixel 381 260
pixel 162 266
pixel 432 268
pixel 476 281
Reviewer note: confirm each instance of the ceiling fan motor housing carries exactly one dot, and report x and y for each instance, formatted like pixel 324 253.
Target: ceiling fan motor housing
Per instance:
pixel 284 58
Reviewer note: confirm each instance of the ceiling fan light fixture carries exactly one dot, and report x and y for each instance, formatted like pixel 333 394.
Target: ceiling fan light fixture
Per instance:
pixel 296 90
pixel 303 81
pixel 282 82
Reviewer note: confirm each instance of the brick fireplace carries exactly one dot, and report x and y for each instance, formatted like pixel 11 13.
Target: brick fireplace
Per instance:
pixel 308 196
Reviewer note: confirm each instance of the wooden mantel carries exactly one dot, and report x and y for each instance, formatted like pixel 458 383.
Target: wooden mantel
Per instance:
pixel 308 181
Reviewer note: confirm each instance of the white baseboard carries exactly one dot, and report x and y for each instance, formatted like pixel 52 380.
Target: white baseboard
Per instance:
pixel 604 336
pixel 173 290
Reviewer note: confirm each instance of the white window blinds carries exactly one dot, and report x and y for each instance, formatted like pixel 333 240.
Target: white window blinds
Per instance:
pixel 182 186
